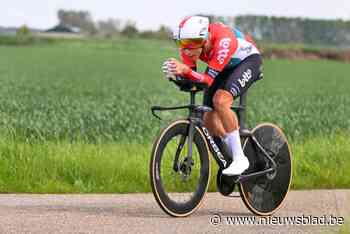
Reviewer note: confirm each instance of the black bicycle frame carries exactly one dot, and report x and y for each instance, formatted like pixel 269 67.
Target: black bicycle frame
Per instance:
pixel 195 119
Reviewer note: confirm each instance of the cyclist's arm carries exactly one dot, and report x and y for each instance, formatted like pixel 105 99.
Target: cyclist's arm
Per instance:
pixel 207 77
pixel 192 74
pixel 188 61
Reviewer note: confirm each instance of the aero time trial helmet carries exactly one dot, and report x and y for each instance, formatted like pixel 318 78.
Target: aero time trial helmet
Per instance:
pixel 191 32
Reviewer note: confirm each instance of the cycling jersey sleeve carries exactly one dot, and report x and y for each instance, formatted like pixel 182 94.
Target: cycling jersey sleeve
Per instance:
pixel 188 61
pixel 207 77
pixel 212 72
pixel 199 77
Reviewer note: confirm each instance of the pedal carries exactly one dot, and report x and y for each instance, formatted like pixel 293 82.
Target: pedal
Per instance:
pixel 234 178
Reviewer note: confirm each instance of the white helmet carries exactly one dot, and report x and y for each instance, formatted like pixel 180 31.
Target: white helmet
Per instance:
pixel 192 27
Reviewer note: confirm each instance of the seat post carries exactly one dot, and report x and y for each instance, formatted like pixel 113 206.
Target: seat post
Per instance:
pixel 193 98
pixel 242 110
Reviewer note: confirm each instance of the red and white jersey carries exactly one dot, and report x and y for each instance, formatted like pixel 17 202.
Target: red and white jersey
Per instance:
pixel 229 48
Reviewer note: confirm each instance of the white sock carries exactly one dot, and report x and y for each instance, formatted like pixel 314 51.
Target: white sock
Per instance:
pixel 233 140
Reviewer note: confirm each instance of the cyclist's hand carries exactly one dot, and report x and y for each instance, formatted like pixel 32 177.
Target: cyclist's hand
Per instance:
pixel 168 70
pixel 177 67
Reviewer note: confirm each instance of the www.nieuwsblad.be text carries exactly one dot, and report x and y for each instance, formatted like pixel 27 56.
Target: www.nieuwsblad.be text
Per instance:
pixel 302 220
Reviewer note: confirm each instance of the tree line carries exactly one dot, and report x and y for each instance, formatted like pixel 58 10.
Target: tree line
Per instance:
pixel 262 28
pixel 108 28
pixel 296 30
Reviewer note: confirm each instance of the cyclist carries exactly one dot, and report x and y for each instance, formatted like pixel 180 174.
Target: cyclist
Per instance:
pixel 234 64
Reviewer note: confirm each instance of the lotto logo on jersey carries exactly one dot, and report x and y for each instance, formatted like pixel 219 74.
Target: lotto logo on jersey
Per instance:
pixel 224 49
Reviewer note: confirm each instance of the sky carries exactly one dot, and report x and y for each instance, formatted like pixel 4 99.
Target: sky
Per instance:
pixel 148 14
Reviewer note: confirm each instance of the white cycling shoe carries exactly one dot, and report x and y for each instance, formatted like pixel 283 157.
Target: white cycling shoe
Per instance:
pixel 237 167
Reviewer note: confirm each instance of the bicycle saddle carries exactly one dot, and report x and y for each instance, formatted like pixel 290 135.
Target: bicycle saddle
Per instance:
pixel 203 109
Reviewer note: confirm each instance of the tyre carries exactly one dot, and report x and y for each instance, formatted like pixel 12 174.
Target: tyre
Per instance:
pixel 179 192
pixel 264 195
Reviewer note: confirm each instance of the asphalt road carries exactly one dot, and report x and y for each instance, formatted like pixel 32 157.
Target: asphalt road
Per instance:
pixel 139 213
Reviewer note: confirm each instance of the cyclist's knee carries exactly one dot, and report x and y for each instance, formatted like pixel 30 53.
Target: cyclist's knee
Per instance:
pixel 222 100
pixel 208 117
pixel 205 118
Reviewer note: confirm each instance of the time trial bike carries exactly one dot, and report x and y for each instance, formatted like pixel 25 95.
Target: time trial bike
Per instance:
pixel 180 165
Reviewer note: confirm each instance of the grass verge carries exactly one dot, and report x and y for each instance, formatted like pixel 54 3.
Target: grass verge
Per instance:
pixel 318 163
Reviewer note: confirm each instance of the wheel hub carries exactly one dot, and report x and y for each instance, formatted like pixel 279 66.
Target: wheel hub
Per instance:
pixel 272 174
pixel 186 168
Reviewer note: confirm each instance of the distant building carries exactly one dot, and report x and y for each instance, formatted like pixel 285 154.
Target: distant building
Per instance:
pixel 62 31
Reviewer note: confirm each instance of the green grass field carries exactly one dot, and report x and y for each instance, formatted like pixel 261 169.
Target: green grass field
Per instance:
pixel 75 116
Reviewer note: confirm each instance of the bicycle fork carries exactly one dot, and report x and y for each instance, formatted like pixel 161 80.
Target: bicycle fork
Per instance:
pixel 185 166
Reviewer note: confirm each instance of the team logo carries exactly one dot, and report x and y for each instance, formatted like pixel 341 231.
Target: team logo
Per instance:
pixel 234 91
pixel 224 45
pixel 214 146
pixel 247 75
pixel 203 32
pixel 247 49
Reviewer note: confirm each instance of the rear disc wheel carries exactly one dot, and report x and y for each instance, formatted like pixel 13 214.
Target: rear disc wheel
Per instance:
pixel 264 195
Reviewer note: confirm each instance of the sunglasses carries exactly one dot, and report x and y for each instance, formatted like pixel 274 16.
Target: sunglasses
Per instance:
pixel 190 43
